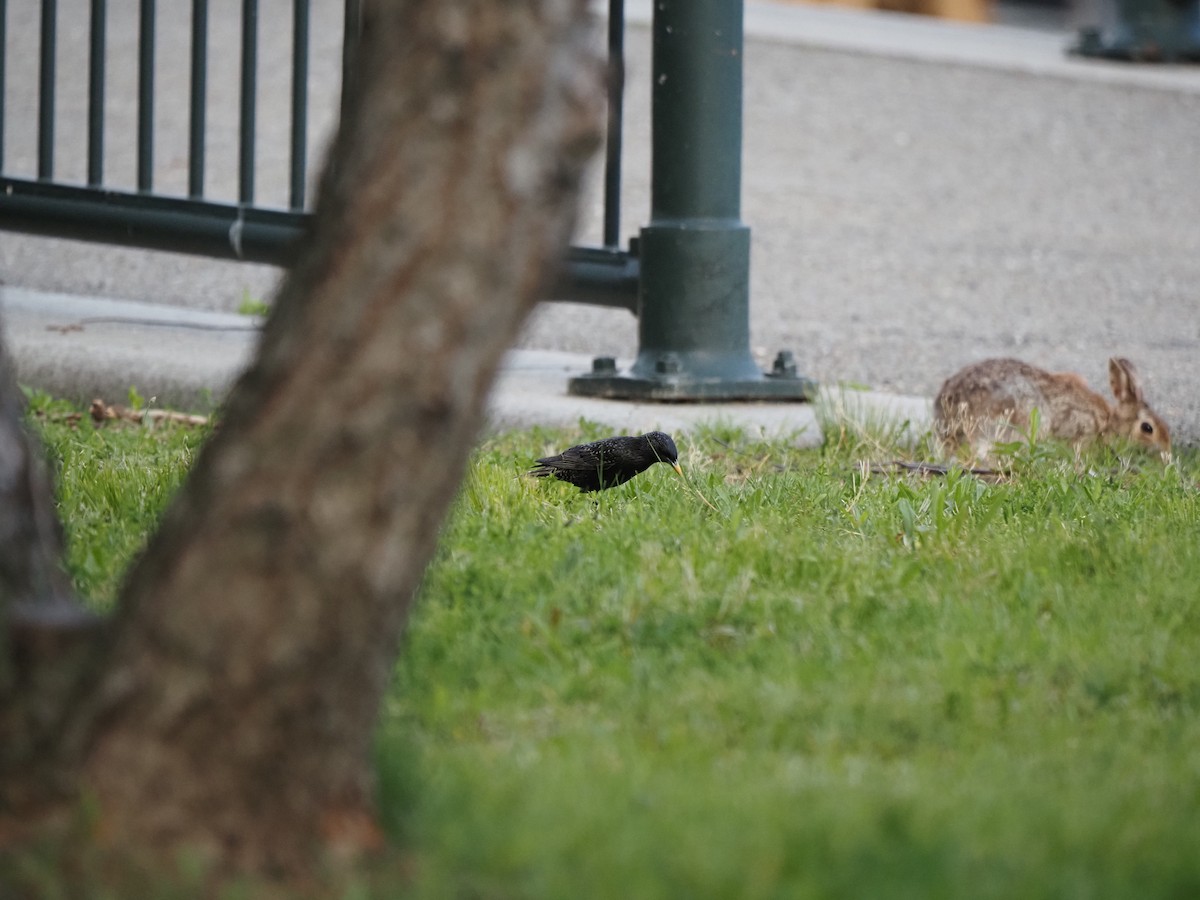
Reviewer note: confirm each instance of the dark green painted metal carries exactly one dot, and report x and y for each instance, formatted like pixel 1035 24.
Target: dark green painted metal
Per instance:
pixel 1144 31
pixel 3 71
pixel 590 275
pixel 351 34
pixel 694 295
pixel 249 99
pixel 599 277
pixel 145 113
pixel 604 276
pixel 616 118
pixel 298 164
pixel 695 275
pixel 696 130
pixel 198 103
pixel 149 221
pixel 95 149
pixel 46 91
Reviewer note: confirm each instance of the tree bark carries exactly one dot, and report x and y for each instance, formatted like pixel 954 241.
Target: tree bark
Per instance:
pixel 232 710
pixel 44 633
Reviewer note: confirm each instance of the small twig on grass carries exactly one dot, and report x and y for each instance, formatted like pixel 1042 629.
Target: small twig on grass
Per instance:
pixel 101 412
pixel 923 468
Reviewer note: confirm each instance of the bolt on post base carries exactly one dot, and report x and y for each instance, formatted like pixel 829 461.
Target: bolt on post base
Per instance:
pixel 673 380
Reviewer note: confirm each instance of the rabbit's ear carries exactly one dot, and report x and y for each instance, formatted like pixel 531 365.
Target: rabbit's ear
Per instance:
pixel 1124 380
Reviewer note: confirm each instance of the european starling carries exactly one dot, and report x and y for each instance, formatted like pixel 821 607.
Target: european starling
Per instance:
pixel 612 461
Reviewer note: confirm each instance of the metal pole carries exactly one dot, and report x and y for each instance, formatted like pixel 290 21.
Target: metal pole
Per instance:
pixel 694 296
pixel 299 158
pixel 198 102
pixel 3 69
pixel 248 101
pixel 145 114
pixel 150 221
pixel 351 34
pixel 616 116
pixel 96 95
pixel 46 90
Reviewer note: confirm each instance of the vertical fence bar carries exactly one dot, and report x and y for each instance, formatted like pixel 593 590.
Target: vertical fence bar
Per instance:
pixel 249 95
pixel 350 34
pixel 3 69
pixel 197 100
pixel 145 114
pixel 95 166
pixel 46 90
pixel 299 161
pixel 616 103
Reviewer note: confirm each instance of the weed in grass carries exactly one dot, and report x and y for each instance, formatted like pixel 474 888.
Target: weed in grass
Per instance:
pixel 136 400
pixel 251 306
pixel 854 427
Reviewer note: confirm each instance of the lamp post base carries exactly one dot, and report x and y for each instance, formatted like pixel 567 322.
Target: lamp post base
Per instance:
pixel 673 382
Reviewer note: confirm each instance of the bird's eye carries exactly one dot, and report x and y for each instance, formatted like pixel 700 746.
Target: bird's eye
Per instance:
pixel 1147 428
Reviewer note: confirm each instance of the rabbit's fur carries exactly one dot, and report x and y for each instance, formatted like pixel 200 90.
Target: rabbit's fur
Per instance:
pixel 992 401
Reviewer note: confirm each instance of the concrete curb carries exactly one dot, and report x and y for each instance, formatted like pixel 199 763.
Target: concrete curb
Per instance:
pixel 81 348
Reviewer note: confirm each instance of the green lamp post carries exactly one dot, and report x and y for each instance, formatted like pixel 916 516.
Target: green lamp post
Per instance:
pixel 694 255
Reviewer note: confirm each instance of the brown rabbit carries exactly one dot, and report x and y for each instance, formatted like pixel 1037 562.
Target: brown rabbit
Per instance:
pixel 992 401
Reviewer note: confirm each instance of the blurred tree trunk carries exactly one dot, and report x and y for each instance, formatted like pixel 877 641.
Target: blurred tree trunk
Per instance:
pixel 228 708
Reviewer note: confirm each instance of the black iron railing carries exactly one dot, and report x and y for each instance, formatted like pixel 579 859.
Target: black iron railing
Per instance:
pixel 245 230
pixel 686 276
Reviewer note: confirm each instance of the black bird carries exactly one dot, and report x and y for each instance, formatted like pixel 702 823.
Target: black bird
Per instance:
pixel 612 461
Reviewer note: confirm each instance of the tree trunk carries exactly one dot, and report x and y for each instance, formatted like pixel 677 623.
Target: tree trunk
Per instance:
pixel 231 711
pixel 44 633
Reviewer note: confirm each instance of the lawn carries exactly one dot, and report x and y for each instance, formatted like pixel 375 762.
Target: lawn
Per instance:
pixel 780 678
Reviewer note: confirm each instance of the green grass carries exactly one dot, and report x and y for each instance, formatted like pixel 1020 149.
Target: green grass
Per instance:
pixel 113 481
pixel 830 685
pixel 251 306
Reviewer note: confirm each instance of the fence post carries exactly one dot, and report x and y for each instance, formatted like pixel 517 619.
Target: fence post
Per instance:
pixel 694 291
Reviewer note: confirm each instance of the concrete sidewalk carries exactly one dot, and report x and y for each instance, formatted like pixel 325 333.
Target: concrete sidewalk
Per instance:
pixel 82 348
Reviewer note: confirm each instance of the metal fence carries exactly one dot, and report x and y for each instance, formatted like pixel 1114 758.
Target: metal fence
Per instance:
pixel 686 276
pixel 143 214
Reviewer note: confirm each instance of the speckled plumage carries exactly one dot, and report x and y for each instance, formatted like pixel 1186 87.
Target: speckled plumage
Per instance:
pixel 612 461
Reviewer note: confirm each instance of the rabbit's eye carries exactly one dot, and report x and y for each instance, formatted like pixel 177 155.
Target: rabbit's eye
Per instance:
pixel 1147 428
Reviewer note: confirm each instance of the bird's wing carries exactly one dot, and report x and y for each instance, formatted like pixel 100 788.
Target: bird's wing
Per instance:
pixel 574 459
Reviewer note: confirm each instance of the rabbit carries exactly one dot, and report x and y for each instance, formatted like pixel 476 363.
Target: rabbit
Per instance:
pixel 992 401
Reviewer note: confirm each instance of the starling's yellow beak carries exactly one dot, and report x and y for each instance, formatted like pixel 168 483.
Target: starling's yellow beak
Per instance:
pixel 675 466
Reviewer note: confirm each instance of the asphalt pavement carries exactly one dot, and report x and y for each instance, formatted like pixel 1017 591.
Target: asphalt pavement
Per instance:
pixel 921 194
